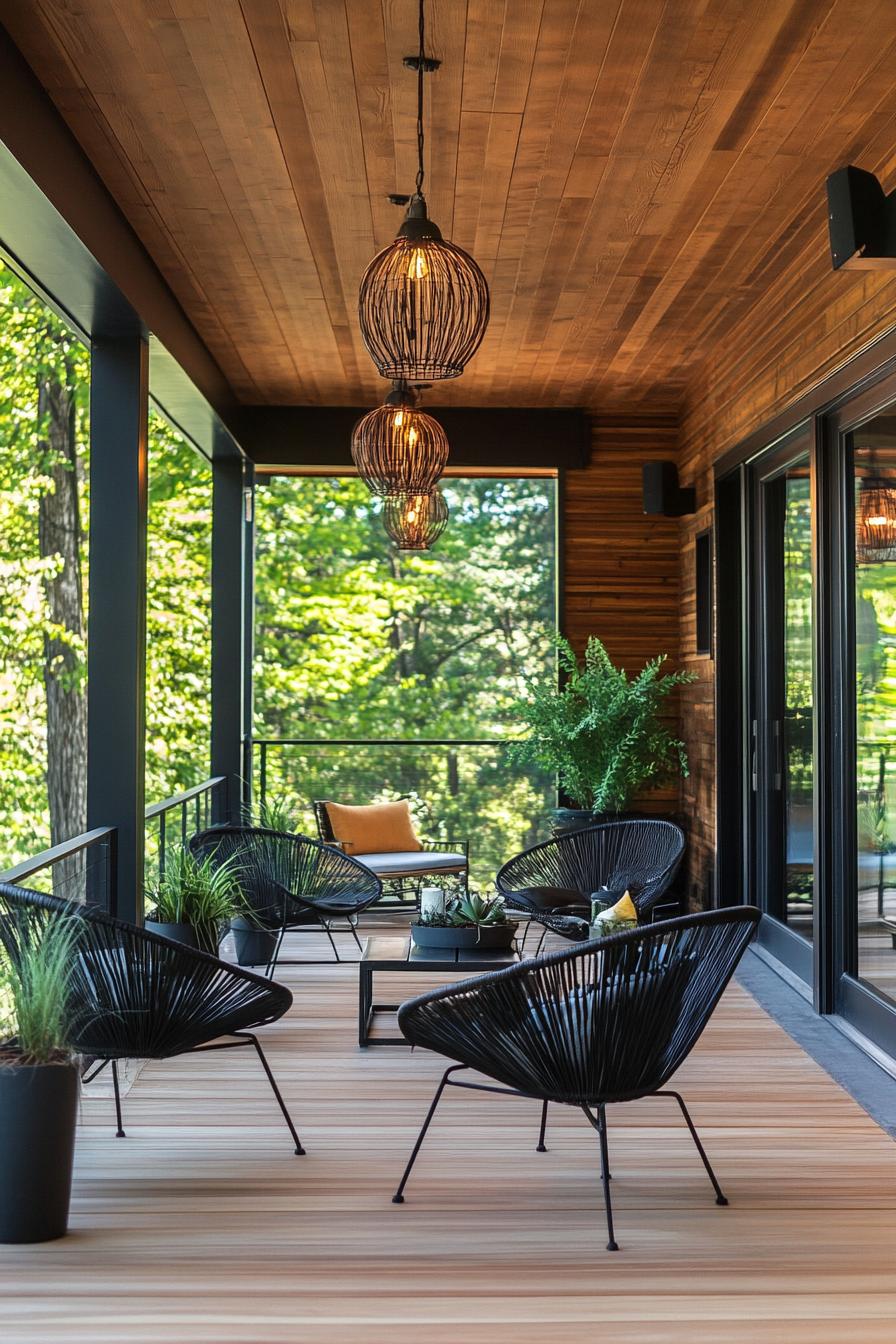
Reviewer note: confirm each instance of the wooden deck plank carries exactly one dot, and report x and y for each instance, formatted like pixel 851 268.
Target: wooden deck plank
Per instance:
pixel 202 1225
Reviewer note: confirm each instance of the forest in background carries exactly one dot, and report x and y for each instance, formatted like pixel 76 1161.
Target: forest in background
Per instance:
pixel 357 640
pixel 44 558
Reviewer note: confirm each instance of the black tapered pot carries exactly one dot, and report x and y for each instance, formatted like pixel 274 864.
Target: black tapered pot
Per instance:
pixel 38 1113
pixel 205 937
pixel 566 819
pixel 254 946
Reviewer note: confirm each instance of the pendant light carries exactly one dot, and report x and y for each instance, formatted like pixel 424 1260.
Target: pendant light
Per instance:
pixel 875 517
pixel 423 303
pixel 397 448
pixel 415 522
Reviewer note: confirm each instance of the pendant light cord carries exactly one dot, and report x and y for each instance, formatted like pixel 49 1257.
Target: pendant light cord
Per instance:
pixel 420 62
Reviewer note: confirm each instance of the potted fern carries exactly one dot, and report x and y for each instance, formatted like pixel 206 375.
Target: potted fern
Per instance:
pixel 601 732
pixel 193 899
pixel 39 1078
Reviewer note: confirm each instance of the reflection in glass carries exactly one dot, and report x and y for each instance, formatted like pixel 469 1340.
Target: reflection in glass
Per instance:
pixel 875 616
pixel 795 753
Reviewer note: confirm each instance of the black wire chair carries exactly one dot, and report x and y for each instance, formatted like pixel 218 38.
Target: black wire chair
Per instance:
pixel 638 855
pixel 609 1021
pixel 137 995
pixel 290 881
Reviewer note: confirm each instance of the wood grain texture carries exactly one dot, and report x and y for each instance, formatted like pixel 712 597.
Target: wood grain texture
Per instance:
pixel 202 1226
pixel 620 567
pixel 633 175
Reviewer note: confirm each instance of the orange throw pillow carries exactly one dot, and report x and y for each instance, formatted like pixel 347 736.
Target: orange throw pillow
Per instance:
pixel 376 828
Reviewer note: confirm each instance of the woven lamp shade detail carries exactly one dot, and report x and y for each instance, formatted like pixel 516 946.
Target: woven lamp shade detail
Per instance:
pixel 876 521
pixel 399 449
pixel 423 307
pixel 415 522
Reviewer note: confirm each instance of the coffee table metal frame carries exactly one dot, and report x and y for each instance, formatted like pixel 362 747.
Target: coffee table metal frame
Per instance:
pixel 403 955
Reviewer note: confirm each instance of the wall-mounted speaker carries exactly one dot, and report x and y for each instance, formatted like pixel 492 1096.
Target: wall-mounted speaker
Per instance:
pixel 861 222
pixel 663 494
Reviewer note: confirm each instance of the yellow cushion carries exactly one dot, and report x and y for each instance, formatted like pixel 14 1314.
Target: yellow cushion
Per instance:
pixel 624 908
pixel 376 828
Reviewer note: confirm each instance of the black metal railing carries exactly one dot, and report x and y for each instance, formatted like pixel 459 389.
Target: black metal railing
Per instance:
pixel 174 820
pixel 81 869
pixel 459 787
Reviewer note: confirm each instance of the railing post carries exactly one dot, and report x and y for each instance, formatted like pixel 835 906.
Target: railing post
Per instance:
pixel 228 584
pixel 116 648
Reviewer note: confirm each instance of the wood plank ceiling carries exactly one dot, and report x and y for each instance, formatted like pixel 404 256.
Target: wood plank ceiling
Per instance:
pixel 630 174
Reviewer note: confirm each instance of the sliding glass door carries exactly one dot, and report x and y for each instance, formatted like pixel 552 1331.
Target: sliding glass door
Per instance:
pixel 782 765
pixel 869 914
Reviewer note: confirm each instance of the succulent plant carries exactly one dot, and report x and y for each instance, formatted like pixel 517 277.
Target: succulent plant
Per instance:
pixel 471 908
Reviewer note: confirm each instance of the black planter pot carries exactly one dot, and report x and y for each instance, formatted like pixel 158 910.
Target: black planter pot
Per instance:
pixel 254 945
pixel 486 938
pixel 205 937
pixel 38 1112
pixel 566 819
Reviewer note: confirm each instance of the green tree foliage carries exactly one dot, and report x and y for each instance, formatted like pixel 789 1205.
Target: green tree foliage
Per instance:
pixel 44 386
pixel 178 615
pixel 355 640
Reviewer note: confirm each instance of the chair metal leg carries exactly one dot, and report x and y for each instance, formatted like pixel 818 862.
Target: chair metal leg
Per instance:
pixel 272 964
pixel 119 1134
pixel 599 1122
pixel 544 1124
pixel 325 925
pixel 398 1197
pixel 247 1035
pixel 720 1197
pixel 353 925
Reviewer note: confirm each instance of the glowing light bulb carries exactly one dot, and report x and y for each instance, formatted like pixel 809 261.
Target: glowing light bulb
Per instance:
pixel 412 436
pixel 398 419
pixel 418 268
pixel 412 515
pixel 876 522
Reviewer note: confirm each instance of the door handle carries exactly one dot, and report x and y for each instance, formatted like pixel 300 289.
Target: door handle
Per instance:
pixel 778 777
pixel 754 764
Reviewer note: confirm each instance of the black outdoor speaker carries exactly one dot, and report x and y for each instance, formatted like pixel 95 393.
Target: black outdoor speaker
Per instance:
pixel 663 494
pixel 861 222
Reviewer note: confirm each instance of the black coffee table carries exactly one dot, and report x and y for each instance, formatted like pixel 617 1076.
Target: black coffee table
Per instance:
pixel 401 954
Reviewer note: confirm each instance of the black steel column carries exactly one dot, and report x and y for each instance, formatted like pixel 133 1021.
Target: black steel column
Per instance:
pixel 116 646
pixel 228 526
pixel 248 631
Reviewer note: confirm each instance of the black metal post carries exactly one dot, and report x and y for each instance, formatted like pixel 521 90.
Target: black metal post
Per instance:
pixel 249 506
pixel 116 654
pixel 227 631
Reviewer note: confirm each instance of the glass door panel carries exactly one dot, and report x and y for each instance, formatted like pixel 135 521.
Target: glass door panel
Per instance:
pixel 783 775
pixel 874 498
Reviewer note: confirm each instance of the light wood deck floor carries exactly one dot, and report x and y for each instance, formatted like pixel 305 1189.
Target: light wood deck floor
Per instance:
pixel 202 1225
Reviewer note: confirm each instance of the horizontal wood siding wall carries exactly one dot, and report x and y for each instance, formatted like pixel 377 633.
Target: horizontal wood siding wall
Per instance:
pixel 808 324
pixel 621 568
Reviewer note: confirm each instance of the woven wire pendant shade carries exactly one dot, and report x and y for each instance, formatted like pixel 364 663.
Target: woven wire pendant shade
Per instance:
pixel 876 521
pixel 423 304
pixel 415 522
pixel 399 449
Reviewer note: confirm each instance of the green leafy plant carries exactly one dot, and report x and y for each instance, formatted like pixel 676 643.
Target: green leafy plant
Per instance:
pixel 468 910
pixel 34 989
pixel 602 733
pixel 197 891
pixel 280 813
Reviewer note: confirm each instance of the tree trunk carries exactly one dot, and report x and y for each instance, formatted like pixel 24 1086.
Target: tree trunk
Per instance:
pixel 59 532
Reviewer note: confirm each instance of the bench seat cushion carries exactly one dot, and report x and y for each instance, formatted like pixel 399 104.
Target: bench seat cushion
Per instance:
pixel 412 863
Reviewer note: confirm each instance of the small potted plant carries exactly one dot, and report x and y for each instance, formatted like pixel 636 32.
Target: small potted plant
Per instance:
pixel 39 1078
pixel 470 921
pixel 193 899
pixel 602 733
